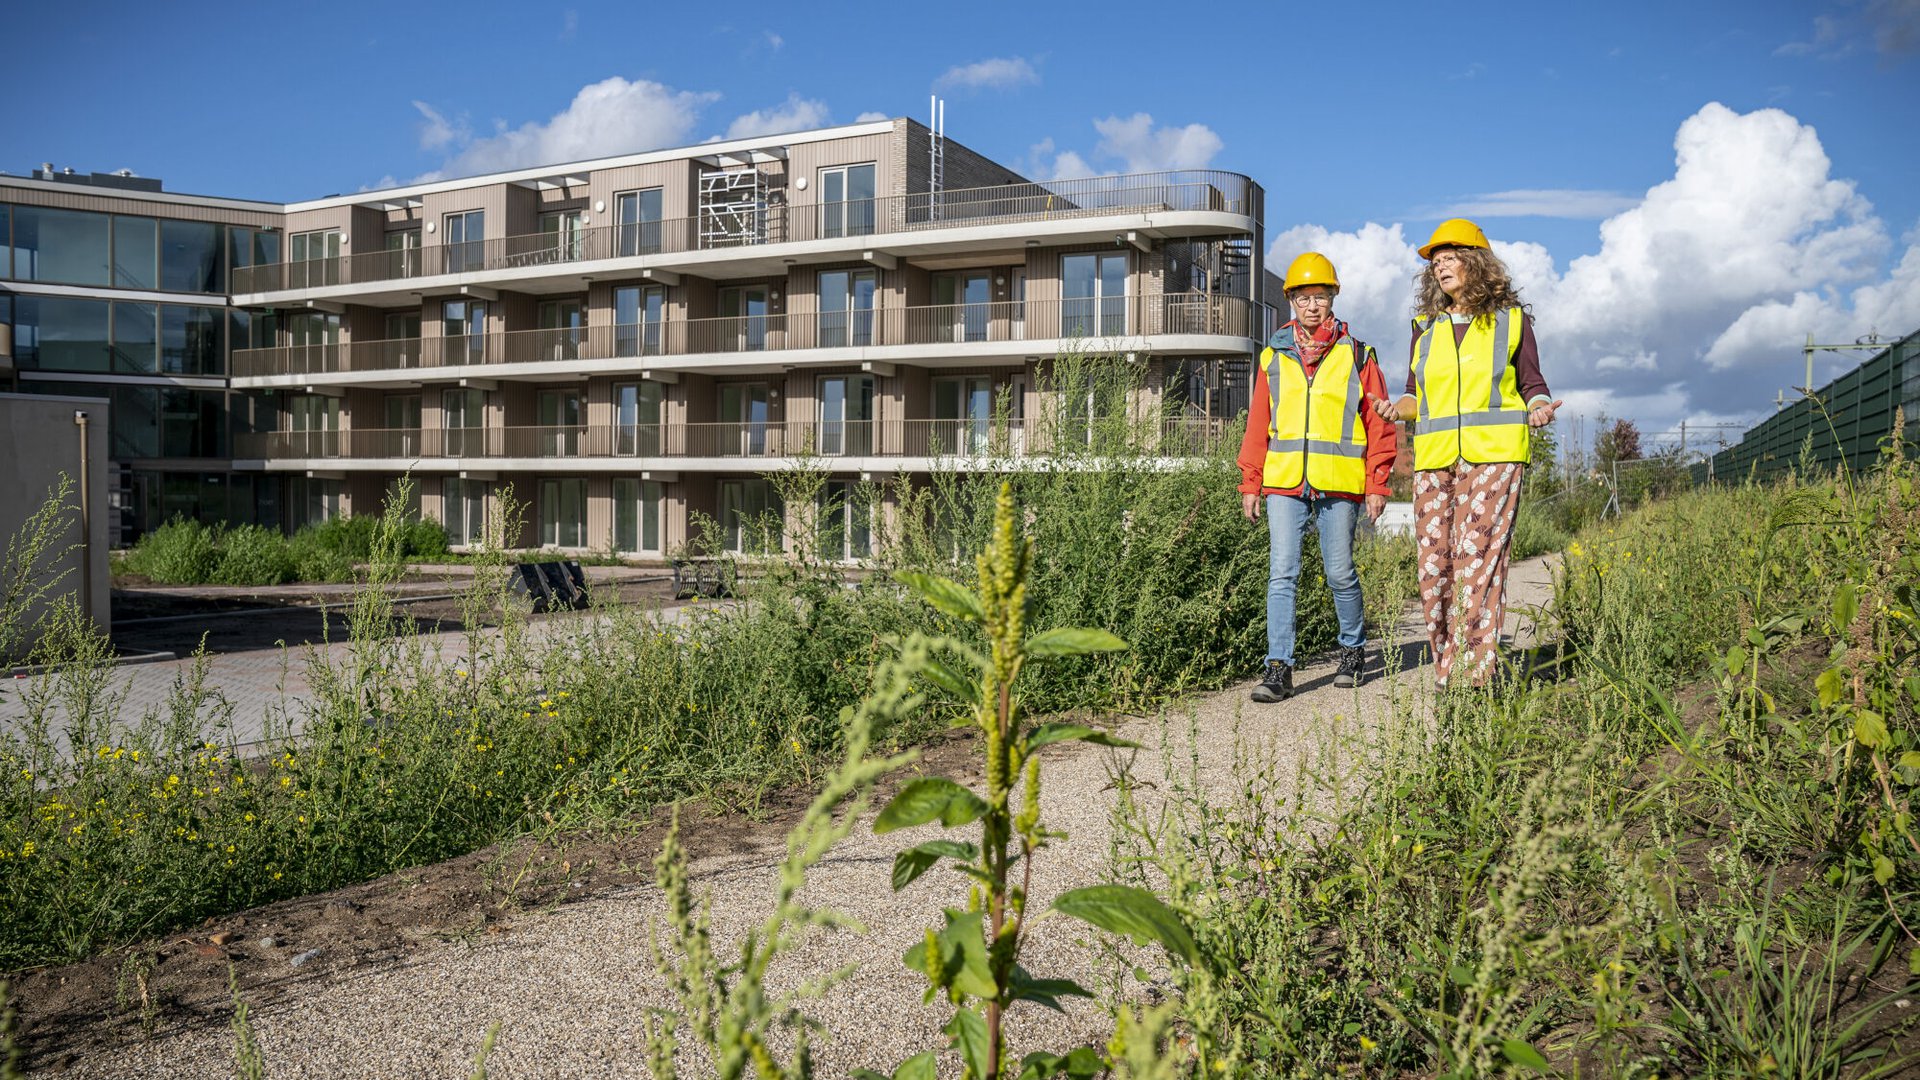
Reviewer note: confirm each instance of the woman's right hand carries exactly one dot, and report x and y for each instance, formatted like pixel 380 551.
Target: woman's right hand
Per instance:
pixel 1250 506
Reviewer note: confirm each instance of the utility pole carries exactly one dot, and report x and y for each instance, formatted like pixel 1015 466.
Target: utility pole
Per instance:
pixel 1870 342
pixel 1683 439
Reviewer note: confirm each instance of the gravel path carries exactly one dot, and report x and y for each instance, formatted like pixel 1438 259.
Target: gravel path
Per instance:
pixel 570 986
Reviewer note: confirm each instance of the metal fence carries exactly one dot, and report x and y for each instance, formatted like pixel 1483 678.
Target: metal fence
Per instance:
pixel 1842 425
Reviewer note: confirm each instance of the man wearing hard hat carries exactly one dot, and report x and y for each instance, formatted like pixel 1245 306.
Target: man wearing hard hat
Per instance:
pixel 1314 455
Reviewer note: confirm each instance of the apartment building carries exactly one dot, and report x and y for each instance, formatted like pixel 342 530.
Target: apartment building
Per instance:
pixel 111 288
pixel 634 342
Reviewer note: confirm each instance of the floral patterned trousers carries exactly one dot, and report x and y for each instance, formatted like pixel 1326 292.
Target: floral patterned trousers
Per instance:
pixel 1463 519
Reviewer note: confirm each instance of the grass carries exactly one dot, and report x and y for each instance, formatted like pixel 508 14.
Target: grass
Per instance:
pixel 1693 854
pixel 116 826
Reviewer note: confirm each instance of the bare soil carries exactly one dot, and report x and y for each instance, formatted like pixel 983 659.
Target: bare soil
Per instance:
pixel 163 986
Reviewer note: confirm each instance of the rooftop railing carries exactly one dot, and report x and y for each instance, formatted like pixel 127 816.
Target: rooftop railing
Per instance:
pixel 775 223
pixel 972 437
pixel 1090 320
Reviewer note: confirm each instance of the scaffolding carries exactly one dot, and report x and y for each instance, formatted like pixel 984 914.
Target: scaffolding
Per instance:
pixel 733 207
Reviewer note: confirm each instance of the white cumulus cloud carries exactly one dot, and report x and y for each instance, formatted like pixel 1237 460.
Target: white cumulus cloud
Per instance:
pixel 1133 141
pixel 794 114
pixel 998 73
pixel 436 131
pixel 612 116
pixel 870 116
pixel 1147 148
pixel 1701 292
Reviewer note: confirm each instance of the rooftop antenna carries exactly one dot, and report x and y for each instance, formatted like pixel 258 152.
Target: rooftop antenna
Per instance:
pixel 936 152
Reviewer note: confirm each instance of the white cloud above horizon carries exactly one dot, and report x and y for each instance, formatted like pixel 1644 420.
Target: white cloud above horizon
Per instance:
pixel 1702 290
pixel 1574 203
pixel 612 116
pixel 997 73
pixel 606 118
pixel 1135 142
pixel 794 114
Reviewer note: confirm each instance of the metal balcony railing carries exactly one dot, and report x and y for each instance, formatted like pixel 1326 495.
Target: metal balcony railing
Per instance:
pixel 1177 437
pixel 1090 321
pixel 776 223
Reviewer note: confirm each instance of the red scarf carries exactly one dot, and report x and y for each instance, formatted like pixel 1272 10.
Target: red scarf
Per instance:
pixel 1312 347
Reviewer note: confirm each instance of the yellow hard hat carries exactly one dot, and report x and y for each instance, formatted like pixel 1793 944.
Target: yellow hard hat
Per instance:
pixel 1457 232
pixel 1312 268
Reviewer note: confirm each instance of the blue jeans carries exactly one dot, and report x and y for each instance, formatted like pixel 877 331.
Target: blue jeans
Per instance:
pixel 1336 519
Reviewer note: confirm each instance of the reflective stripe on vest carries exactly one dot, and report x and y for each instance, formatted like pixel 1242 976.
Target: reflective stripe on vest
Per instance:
pixel 1468 396
pixel 1314 436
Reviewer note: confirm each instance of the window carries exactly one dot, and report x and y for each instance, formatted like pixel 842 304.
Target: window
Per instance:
pixel 564 328
pixel 252 247
pixel 463 421
pixel 745 410
pixel 463 510
pixel 636 514
pixel 402 436
pixel 639 315
pixel 638 213
pixel 190 340
pixel 53 333
pixel 135 338
pixel 559 423
pixel 846 520
pixel 190 257
pixel 563 235
pixel 1094 291
pixel 751 517
pixel 402 345
pixel 846 307
pixel 563 513
pixel 403 254
pixel 745 309
pixel 312 501
pixel 636 418
pixel 136 253
pixel 846 414
pixel 962 414
pixel 313 338
pixel 464 241
pixel 314 424
pixel 6 241
pixel 967 299
pixel 70 247
pixel 314 259
pixel 192 423
pixel 846 201
pixel 464 325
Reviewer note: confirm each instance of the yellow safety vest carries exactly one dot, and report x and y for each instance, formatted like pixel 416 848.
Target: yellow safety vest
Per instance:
pixel 1469 394
pixel 1314 431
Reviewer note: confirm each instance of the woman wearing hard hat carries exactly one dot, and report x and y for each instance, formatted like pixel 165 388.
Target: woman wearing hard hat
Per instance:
pixel 1314 454
pixel 1474 393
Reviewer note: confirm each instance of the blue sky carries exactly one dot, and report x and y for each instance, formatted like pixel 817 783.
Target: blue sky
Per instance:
pixel 1793 210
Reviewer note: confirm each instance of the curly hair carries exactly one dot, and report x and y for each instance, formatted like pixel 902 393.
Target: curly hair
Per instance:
pixel 1488 286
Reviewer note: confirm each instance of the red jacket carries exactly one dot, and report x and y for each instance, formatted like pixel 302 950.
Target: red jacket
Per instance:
pixel 1381 434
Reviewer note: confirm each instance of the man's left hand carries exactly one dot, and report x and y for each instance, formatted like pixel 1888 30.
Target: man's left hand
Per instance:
pixel 1376 505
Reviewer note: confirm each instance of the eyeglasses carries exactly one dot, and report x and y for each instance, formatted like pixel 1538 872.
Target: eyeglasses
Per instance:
pixel 1312 299
pixel 1447 258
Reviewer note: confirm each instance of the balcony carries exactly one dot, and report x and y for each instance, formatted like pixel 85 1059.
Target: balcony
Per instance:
pixel 1092 321
pixel 778 223
pixel 603 444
